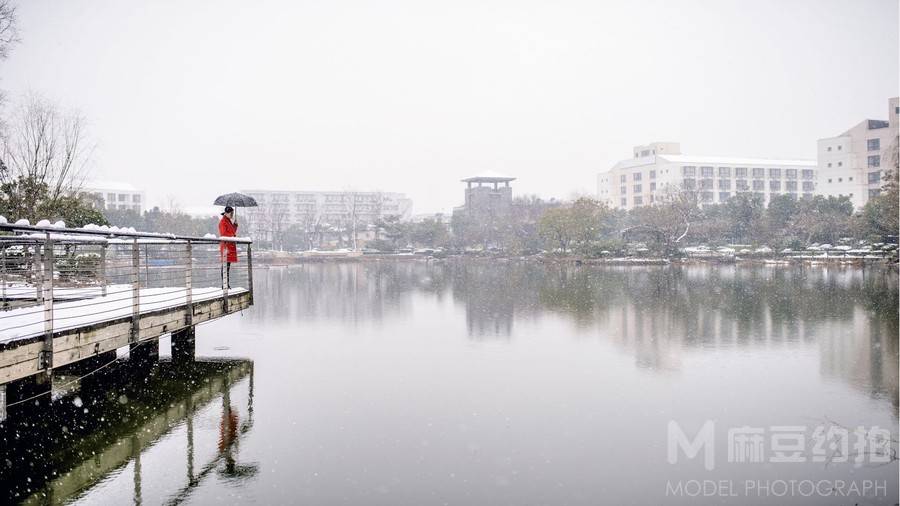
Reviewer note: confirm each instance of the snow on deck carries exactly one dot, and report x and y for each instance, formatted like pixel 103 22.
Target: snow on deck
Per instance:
pixel 28 322
pixel 26 291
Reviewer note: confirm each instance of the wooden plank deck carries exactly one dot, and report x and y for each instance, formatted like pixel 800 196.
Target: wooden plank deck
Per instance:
pixel 20 356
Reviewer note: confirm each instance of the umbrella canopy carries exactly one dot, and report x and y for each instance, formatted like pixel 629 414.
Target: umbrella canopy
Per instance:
pixel 235 200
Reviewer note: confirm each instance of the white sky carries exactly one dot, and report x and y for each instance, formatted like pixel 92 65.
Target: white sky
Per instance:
pixel 196 98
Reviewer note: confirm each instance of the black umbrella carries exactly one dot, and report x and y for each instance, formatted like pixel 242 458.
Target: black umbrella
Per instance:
pixel 235 200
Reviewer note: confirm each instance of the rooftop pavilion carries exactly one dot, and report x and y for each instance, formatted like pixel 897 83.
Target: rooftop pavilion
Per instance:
pixel 489 177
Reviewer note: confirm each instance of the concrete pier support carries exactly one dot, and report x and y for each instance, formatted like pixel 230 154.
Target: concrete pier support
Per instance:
pixel 184 345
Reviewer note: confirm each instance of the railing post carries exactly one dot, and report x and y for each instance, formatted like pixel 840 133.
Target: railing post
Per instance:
pixel 135 291
pixel 102 271
pixel 250 270
pixel 188 284
pixel 3 281
pixel 223 256
pixel 37 274
pixel 47 296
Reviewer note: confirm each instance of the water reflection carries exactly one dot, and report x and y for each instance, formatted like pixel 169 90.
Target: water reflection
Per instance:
pixel 656 313
pixel 117 418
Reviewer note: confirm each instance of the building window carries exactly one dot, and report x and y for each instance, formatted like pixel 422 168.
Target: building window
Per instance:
pixel 136 198
pixel 622 178
pixel 873 144
pixel 759 186
pixel 706 172
pixel 839 148
pixel 874 161
pixel 122 197
pixel 775 173
pixel 740 172
pixel 624 202
pixel 623 190
pixel 840 180
pixel 636 176
pixel 653 186
pixel 638 200
pixel 706 184
pixel 829 164
pixel 829 148
pixel 807 173
pixel 875 177
pixel 790 186
pixel 723 196
pixel 110 197
pixel 651 198
pixel 689 184
pixel 741 185
pixel 689 171
pixel 724 184
pixel 850 178
pixel 759 172
pixel 706 196
pixel 874 192
pixel 790 173
pixel 775 186
pixel 645 152
pixel 652 174
pixel 637 188
pixel 829 180
pixel 724 171
pixel 808 186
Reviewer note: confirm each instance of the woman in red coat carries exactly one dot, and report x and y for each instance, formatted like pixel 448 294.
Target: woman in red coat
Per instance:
pixel 228 250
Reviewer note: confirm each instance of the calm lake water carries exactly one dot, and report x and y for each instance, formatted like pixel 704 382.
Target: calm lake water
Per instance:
pixel 494 383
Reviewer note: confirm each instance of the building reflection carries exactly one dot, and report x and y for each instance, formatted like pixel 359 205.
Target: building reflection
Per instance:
pixel 116 418
pixel 657 314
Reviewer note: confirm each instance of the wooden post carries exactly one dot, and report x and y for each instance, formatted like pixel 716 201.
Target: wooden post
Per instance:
pixel 47 296
pixel 250 271
pixel 2 402
pixel 135 291
pixel 3 281
pixel 36 275
pixel 102 271
pixel 188 285
pixel 223 257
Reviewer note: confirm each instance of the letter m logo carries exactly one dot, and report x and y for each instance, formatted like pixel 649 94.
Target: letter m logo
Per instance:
pixel 703 440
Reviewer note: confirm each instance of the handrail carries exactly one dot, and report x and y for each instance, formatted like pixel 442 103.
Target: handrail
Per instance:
pixel 11 227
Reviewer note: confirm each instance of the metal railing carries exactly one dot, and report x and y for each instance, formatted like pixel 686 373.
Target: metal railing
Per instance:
pixel 54 279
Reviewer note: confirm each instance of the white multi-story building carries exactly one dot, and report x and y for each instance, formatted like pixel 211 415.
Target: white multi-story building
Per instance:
pixel 334 208
pixel 852 163
pixel 660 167
pixel 116 196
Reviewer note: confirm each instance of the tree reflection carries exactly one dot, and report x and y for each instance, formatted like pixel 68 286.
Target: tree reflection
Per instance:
pixel 657 313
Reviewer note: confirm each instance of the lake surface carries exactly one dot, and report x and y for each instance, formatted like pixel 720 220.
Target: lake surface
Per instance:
pixel 496 383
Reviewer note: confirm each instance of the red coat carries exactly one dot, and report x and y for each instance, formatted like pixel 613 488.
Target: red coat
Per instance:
pixel 227 250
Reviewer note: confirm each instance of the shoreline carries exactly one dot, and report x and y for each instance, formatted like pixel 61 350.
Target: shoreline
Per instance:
pixel 284 261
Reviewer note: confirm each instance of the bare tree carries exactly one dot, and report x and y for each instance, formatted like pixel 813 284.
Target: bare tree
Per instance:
pixel 44 155
pixel 351 209
pixel 9 35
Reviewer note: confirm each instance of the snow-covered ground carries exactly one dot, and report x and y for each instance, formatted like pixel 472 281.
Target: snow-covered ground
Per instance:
pixel 29 321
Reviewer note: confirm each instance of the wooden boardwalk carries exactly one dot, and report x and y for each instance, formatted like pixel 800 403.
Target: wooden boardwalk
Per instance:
pixel 76 294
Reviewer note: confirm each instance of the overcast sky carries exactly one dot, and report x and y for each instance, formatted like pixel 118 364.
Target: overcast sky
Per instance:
pixel 196 98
